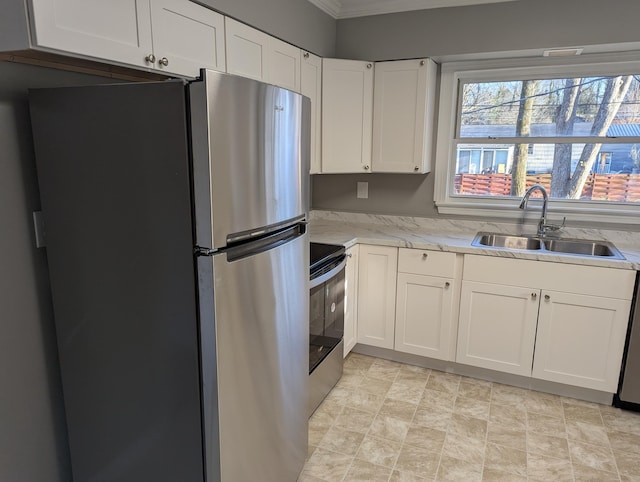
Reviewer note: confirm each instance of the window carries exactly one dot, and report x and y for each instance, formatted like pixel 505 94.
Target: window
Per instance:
pixel 506 125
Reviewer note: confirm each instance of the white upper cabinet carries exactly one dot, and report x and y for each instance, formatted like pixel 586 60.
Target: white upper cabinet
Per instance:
pixel 311 86
pixel 256 55
pixel 283 64
pixel 347 113
pixel 246 50
pixel 403 108
pixel 173 36
pixel 119 31
pixel 187 37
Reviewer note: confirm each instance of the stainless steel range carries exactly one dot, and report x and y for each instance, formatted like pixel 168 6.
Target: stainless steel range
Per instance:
pixel 326 320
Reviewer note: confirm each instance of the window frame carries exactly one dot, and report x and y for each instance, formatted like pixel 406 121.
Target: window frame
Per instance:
pixel 447 138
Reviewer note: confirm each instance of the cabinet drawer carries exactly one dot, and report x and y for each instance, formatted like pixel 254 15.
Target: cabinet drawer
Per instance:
pixel 422 261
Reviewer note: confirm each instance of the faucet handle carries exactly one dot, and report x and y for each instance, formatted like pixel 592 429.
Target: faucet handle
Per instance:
pixel 555 227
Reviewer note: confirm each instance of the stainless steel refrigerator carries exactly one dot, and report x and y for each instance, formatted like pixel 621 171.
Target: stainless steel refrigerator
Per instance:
pixel 175 234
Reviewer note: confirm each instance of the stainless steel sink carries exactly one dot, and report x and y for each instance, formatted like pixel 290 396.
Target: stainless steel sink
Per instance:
pixel 575 247
pixel 507 241
pixel 583 247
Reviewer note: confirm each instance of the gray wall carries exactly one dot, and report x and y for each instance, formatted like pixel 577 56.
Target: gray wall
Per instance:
pixel 295 21
pixel 33 441
pixel 482 29
pixel 518 25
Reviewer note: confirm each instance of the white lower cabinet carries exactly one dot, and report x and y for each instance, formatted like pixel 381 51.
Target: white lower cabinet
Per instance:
pixel 377 269
pixel 557 322
pixel 426 303
pixel 497 327
pixel 580 340
pixel 350 300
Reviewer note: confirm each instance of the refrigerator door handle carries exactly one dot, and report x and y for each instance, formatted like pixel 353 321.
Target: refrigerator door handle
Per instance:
pixel 266 243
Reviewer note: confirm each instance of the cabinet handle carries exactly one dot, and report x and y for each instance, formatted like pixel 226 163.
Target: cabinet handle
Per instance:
pixel 164 61
pixel 416 168
pixel 369 66
pixel 424 255
pixel 150 59
pixel 306 55
pixel 547 297
pixel 447 284
pixel 534 296
pixel 422 62
pixel 366 168
pixel 350 255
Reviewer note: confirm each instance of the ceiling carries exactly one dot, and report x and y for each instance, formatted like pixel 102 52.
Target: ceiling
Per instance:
pixel 360 8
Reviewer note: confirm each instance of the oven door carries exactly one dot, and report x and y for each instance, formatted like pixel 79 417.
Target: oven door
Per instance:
pixel 326 312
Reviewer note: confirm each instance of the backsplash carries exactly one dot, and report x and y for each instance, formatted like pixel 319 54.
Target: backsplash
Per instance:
pixel 622 239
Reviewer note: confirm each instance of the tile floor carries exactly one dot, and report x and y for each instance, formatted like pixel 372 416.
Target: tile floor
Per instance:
pixel 386 421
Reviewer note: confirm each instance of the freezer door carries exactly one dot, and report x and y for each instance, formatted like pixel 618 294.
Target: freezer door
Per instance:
pixel 255 356
pixel 250 156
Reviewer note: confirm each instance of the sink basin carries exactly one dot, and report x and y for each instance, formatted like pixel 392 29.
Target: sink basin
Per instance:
pixel 576 247
pixel 583 247
pixel 507 241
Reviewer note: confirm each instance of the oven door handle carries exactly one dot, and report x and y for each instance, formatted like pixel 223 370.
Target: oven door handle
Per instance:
pixel 328 275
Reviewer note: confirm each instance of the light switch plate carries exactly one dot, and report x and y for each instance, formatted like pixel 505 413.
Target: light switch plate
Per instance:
pixel 363 190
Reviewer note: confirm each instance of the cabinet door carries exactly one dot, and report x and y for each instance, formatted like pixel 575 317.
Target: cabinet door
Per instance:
pixel 377 267
pixel 580 340
pixel 424 307
pixel 350 300
pixel 118 31
pixel 188 36
pixel 283 64
pixel 347 111
pixel 246 50
pixel 311 86
pixel 497 327
pixel 402 115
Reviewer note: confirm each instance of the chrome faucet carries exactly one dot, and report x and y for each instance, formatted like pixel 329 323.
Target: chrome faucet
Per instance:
pixel 543 227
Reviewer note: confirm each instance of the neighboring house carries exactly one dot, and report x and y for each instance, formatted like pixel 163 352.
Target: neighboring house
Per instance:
pixel 498 158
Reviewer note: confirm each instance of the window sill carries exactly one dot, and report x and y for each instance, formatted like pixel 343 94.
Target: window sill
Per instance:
pixel 618 214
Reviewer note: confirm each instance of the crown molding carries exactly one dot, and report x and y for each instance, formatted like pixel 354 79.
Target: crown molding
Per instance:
pixel 340 9
pixel 332 7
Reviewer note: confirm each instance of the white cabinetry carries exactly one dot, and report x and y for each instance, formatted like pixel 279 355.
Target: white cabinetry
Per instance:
pixel 256 55
pixel 580 339
pixel 426 303
pixel 311 86
pixel 347 113
pixel 580 314
pixel 350 300
pixel 403 107
pixel 377 269
pixel 187 37
pixel 174 36
pixel 497 326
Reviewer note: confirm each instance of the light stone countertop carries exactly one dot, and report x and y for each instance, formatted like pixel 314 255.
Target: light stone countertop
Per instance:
pixel 455 236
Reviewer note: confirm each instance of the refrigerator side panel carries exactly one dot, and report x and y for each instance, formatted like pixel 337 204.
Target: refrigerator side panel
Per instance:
pixel 262 340
pixel 630 386
pixel 255 156
pixel 209 364
pixel 113 168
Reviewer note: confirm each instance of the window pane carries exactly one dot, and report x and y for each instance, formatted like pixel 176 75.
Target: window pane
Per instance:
pixel 607 172
pixel 589 106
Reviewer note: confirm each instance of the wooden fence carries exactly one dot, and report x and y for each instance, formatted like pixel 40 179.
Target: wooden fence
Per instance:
pixel 599 187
